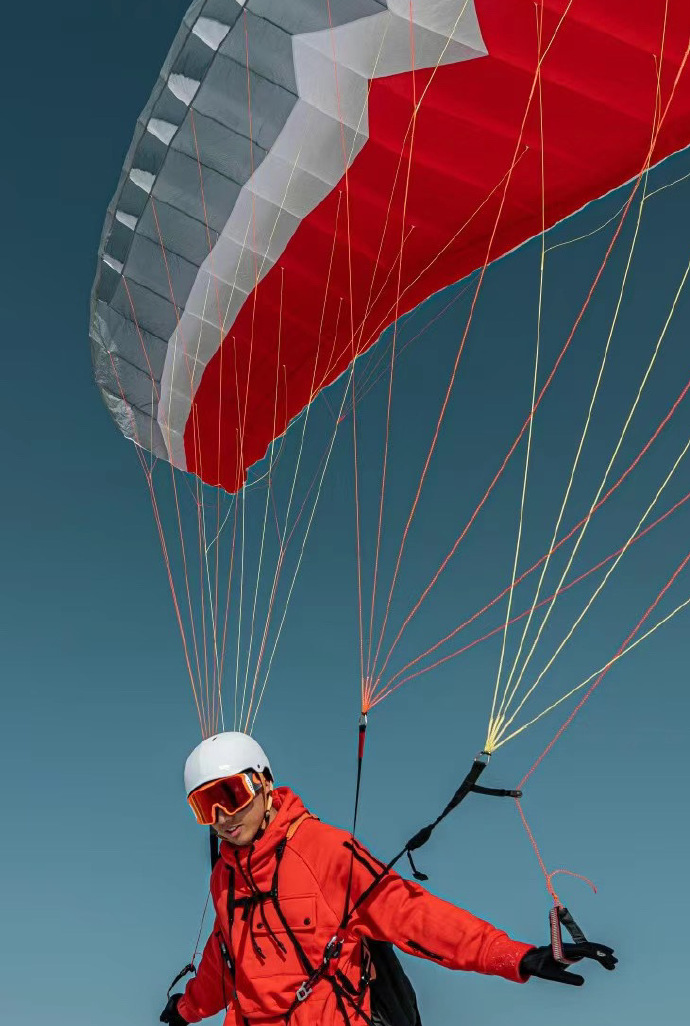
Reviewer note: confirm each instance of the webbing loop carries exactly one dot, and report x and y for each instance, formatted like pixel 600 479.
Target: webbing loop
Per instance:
pixel 560 915
pixel 188 970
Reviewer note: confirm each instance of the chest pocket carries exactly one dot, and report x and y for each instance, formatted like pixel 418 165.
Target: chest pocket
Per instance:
pixel 263 942
pixel 298 911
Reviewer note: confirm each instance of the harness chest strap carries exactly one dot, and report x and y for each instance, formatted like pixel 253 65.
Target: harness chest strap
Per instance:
pixel 341 985
pixel 272 895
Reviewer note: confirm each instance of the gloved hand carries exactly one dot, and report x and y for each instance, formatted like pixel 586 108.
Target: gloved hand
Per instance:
pixel 170 1013
pixel 540 962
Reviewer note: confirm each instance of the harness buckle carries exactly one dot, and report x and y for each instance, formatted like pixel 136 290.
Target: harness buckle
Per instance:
pixel 333 949
pixel 303 991
pixel 332 952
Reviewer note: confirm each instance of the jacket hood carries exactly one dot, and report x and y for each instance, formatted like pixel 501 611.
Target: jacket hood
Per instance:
pixel 289 807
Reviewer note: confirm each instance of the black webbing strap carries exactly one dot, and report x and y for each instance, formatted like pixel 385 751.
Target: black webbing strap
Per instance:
pixel 467 786
pixel 496 792
pixel 230 905
pixel 557 916
pixel 214 847
pixel 360 758
pixel 355 1000
pixel 294 940
pixel 421 837
pixel 226 949
pixel 188 969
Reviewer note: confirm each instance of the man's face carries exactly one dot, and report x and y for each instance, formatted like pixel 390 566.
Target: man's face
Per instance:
pixel 241 828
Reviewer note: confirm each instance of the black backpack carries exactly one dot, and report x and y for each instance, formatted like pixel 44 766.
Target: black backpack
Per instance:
pixel 393 1000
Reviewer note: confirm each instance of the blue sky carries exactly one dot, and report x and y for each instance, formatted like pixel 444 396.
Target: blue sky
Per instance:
pixel 104 874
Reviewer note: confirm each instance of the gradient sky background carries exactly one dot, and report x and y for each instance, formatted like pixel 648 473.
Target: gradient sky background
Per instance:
pixel 103 872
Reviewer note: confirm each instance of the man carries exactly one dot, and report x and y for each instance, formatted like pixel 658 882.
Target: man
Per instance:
pixel 283 887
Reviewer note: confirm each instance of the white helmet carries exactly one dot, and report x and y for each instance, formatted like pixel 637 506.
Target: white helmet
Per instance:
pixel 223 755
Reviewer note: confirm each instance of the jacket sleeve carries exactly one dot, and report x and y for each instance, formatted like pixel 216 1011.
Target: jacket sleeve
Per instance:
pixel 402 912
pixel 208 991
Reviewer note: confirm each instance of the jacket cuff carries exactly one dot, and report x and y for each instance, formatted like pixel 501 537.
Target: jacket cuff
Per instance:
pixel 504 960
pixel 186 1011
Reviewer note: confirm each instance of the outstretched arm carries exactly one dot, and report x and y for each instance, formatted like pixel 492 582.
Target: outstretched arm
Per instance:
pixel 404 913
pixel 421 924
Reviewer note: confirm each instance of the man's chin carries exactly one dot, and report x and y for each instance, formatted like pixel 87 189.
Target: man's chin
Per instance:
pixel 237 838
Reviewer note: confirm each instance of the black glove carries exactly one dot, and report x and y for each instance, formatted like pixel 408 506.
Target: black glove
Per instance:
pixel 540 961
pixel 170 1013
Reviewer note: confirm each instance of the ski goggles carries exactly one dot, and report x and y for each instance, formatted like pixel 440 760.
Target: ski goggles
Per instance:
pixel 230 794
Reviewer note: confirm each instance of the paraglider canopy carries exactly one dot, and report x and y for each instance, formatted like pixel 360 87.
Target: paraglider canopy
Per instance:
pixel 303 174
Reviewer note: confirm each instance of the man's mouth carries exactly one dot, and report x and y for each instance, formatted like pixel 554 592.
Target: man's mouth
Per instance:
pixel 230 832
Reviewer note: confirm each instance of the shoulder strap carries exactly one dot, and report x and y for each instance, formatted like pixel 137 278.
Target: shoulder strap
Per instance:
pixel 297 823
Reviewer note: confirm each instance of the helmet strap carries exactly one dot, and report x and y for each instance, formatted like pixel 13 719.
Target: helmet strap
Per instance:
pixel 266 790
pixel 268 798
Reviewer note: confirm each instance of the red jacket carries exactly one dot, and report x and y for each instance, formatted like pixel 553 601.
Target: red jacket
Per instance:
pixel 311 887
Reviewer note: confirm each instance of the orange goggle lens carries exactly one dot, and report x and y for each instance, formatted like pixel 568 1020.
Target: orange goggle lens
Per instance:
pixel 229 794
